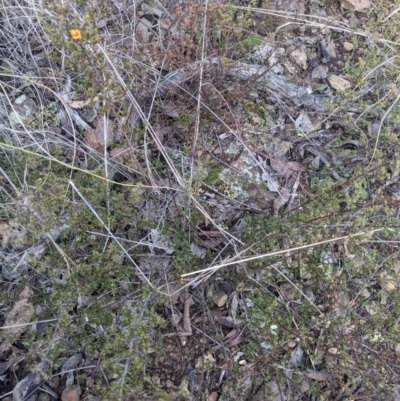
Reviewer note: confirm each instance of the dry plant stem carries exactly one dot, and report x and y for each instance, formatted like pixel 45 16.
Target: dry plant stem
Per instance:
pixel 198 109
pixel 217 267
pixel 187 326
pixel 371 107
pixel 204 277
pixel 389 60
pixel 72 167
pixel 61 252
pixel 293 194
pixel 30 323
pixel 149 170
pixel 392 13
pixel 139 110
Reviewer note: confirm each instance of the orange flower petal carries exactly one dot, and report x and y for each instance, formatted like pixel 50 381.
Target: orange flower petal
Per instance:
pixel 75 34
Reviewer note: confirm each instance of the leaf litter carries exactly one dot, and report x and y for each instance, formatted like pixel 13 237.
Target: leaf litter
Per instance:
pixel 264 171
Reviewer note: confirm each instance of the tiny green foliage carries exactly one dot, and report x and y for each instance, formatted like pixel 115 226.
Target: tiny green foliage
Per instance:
pixel 251 41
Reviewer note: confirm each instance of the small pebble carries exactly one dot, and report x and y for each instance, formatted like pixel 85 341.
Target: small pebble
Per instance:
pixel 333 350
pixel 348 47
pixel 71 393
pixel 44 397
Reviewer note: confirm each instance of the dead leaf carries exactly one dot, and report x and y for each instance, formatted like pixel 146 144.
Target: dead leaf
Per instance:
pixel 90 139
pixel 209 243
pixel 304 123
pixel 17 318
pixel 227 321
pixel 361 6
pixel 71 363
pixel 27 388
pixel 297 357
pixel 220 298
pixel 234 337
pixel 299 56
pixel 387 281
pixel 213 396
pixel 281 200
pixel 198 250
pixel 297 166
pixel 160 242
pixel 170 109
pixel 279 166
pixel 318 376
pixel 143 30
pixel 79 104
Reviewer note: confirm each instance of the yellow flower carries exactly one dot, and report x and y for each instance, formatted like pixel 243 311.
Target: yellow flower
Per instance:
pixel 75 34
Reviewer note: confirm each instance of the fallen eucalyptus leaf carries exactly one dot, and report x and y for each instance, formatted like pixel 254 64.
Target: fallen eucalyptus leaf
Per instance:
pixel 27 388
pixel 297 357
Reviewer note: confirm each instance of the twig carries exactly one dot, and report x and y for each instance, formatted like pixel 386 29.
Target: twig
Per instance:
pixel 215 268
pixel 187 326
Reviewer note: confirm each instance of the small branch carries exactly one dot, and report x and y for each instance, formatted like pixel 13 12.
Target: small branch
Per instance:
pixel 187 325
